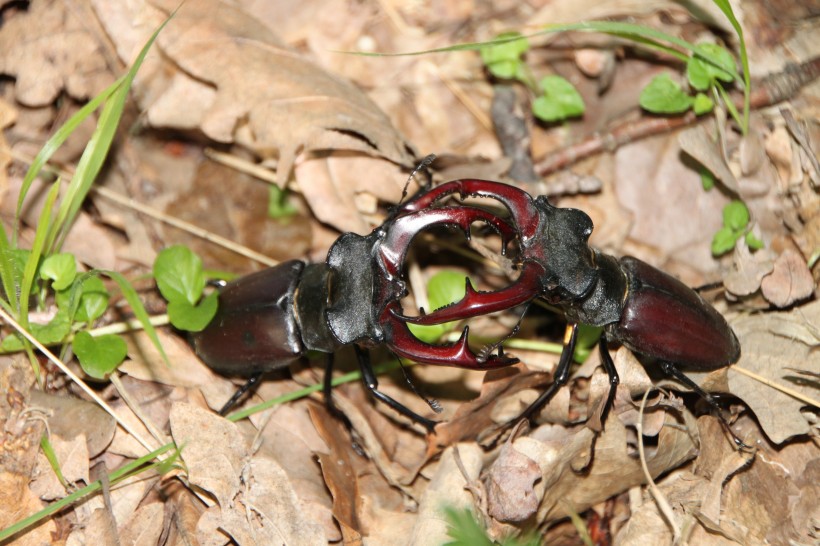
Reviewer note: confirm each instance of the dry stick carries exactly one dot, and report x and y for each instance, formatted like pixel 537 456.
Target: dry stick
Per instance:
pixel 777 386
pixel 77 380
pixel 185 226
pixel 771 90
pixel 663 504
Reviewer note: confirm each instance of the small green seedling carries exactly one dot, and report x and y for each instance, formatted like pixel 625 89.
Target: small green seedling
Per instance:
pixel 559 101
pixel 708 67
pixel 556 99
pixel 735 225
pixel 505 60
pixel 465 530
pixel 181 281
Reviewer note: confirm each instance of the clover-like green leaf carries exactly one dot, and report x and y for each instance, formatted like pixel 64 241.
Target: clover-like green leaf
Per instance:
pixel 61 269
pixel 179 274
pixel 560 100
pixel 711 63
pixel 663 95
pixel 99 356
pixel 192 318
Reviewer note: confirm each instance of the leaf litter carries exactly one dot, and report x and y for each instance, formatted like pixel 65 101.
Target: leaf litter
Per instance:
pixel 221 77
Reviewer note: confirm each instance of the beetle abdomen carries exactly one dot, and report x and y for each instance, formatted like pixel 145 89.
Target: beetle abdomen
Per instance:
pixel 665 319
pixel 254 329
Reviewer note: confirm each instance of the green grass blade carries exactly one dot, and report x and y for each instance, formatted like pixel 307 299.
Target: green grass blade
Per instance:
pixel 726 8
pixel 140 313
pixel 116 476
pixel 98 146
pixel 54 143
pixel 37 247
pixel 7 274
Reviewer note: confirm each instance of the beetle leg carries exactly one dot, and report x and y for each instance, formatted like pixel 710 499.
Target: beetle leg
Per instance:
pixel 561 374
pixel 240 392
pixel 672 371
pixel 609 366
pixel 372 384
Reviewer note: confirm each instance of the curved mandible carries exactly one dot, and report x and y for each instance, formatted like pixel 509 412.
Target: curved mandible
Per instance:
pixel 524 212
pixel 400 232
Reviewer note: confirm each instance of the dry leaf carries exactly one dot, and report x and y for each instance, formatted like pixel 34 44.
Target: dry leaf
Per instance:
pixel 789 282
pixel 67 417
pixel 51 48
pixel 213 450
pixel 446 489
pixel 145 527
pixel 509 483
pixel 771 343
pixel 748 270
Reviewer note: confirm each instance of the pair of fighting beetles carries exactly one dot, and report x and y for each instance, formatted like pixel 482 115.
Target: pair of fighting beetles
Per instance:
pixel 268 319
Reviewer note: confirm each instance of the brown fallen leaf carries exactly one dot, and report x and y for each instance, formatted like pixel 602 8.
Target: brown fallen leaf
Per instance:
pixel 509 483
pixel 771 343
pixel 790 281
pixel 50 48
pixel 261 95
pixel 339 474
pixel 748 270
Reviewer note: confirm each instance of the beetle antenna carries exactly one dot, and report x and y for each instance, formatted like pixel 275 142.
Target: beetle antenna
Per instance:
pixel 432 402
pixel 485 353
pixel 422 166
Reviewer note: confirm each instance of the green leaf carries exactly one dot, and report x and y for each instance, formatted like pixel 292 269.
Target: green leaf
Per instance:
pixel 93 300
pixel 278 204
pixel 179 275
pixel 464 529
pixel 503 60
pixel 724 241
pixel 708 63
pixel 753 242
pixel 707 179
pixel 703 104
pixel 53 333
pixel 99 356
pixel 443 288
pixel 663 95
pixel 560 100
pixel 61 269
pixel 192 318
pixel 735 216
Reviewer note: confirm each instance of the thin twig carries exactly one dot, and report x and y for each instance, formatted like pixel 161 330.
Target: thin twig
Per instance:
pixel 777 386
pixel 660 499
pixel 80 383
pixel 771 90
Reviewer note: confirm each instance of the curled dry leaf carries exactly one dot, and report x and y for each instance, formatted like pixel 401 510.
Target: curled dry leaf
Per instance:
pixel 748 270
pixel 447 488
pixel 579 469
pixel 255 91
pixel 509 483
pixel 790 280
pixel 50 48
pixel 772 343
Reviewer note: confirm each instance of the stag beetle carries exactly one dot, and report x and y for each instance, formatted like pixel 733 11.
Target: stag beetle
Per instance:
pixel 268 319
pixel 645 309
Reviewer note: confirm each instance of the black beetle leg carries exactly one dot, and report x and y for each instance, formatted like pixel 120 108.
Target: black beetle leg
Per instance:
pixel 561 374
pixel 249 384
pixel 672 371
pixel 372 384
pixel 609 366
